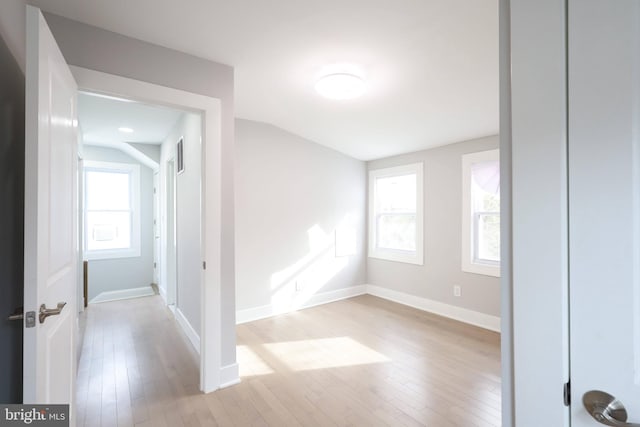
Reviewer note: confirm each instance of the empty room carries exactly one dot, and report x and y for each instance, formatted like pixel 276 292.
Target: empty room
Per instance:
pixel 350 213
pixel 356 164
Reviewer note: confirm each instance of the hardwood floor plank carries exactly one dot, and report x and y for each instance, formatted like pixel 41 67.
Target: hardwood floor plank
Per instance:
pixel 357 362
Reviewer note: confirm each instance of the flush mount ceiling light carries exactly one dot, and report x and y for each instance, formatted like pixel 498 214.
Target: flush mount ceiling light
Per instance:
pixel 125 130
pixel 340 86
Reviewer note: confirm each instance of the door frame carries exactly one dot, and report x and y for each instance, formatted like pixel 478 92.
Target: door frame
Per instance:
pixel 535 273
pixel 210 110
pixel 170 266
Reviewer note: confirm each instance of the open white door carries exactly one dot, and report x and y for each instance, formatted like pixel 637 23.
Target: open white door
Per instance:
pixel 604 204
pixel 50 275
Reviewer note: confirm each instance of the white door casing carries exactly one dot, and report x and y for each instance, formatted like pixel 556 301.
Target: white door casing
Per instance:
pixel 156 228
pixel 50 274
pixel 171 235
pixel 604 202
pixel 212 337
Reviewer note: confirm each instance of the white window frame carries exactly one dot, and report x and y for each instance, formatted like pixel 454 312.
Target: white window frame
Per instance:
pixel 411 257
pixel 134 192
pixel 469 262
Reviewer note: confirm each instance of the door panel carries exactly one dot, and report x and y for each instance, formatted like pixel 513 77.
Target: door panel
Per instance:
pixel 604 202
pixel 50 218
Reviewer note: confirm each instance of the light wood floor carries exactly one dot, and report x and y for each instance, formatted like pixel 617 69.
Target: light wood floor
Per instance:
pixel 357 362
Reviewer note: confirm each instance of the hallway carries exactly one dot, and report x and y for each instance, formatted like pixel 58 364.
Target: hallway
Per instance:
pixel 136 366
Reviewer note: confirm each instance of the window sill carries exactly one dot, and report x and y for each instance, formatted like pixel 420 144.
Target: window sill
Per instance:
pixel 485 270
pixel 397 257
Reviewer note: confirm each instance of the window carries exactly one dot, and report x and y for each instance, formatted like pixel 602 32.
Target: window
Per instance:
pixel 395 213
pixel 481 213
pixel 112 210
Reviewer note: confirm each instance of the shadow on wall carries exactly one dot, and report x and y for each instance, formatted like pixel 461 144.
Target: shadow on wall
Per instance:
pixel 293 287
pixel 12 172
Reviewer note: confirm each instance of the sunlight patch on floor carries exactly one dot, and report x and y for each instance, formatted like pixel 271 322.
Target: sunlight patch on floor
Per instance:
pixel 323 353
pixel 250 363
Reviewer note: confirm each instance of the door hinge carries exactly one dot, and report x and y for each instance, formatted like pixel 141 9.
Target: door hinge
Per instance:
pixel 567 393
pixel 204 265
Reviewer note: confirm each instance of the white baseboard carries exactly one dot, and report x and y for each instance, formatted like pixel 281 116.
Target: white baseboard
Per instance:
pixel 262 312
pixel 122 294
pixel 193 336
pixel 163 293
pixel 482 320
pixel 471 317
pixel 229 375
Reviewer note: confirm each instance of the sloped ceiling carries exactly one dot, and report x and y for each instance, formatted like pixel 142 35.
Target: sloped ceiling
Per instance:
pixel 431 66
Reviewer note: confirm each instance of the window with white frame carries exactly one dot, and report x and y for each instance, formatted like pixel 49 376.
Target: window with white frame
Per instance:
pixel 395 213
pixel 112 210
pixel 481 213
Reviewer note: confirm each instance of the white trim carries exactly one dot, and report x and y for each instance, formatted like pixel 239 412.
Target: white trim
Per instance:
pixel 416 257
pixel 262 312
pixel 210 108
pixel 229 375
pixel 144 291
pixel 471 317
pixel 468 264
pixel 163 293
pixel 188 330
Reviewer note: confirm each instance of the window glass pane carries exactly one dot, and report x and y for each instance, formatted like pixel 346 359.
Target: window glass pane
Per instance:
pixel 396 193
pixel 489 202
pixel 108 230
pixel 485 195
pixel 107 190
pixel 397 231
pixel 488 229
pixel 485 178
pixel 486 175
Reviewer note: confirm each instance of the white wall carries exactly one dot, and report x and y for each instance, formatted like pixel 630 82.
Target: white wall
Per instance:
pixel 291 196
pixel 12 29
pixel 97 49
pixel 107 275
pixel 442 235
pixel 188 211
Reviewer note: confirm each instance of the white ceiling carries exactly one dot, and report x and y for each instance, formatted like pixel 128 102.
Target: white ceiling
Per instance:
pixel 100 117
pixel 431 65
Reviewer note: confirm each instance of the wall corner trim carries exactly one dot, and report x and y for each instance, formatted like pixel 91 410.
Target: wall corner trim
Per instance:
pixel 191 334
pixel 163 294
pixel 471 317
pixel 229 375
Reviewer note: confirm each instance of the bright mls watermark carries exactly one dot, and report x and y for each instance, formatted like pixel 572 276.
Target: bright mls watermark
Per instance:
pixel 34 415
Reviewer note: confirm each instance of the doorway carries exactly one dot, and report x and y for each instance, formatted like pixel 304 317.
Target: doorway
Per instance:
pixel 213 340
pixel 131 185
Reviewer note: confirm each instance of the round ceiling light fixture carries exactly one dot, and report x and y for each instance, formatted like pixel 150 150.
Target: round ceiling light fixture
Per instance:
pixel 125 130
pixel 340 86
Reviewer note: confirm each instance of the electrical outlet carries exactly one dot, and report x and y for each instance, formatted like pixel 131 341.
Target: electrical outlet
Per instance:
pixel 456 291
